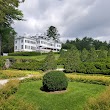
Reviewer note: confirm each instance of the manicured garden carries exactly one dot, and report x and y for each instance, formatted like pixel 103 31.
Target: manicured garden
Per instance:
pixel 74 98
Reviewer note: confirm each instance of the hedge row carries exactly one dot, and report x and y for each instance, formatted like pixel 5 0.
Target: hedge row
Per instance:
pixel 92 79
pixel 94 68
pixel 27 66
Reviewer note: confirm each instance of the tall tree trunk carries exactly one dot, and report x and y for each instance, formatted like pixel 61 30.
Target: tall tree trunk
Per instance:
pixel 0 43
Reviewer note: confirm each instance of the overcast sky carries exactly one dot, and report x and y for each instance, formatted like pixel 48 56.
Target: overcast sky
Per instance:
pixel 72 18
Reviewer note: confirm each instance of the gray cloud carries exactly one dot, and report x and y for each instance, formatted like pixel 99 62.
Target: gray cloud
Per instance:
pixel 73 18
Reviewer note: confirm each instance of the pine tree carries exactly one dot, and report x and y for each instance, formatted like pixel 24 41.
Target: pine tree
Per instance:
pixel 108 54
pixel 102 53
pixel 84 55
pixel 92 56
pixel 49 62
pixel 73 60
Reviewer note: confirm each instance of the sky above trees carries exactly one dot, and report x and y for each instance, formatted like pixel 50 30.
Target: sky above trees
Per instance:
pixel 72 18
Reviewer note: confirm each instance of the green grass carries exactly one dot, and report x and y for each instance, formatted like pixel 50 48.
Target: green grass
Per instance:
pixel 39 57
pixel 74 98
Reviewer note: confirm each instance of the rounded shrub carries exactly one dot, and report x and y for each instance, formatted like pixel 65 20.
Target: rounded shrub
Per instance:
pixel 55 81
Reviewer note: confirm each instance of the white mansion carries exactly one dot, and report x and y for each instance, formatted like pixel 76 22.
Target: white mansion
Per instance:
pixel 38 43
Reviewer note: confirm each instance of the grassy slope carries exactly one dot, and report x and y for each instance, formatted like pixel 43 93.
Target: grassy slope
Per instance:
pixel 74 99
pixel 39 57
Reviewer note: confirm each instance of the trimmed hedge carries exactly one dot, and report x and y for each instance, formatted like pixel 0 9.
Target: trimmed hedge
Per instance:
pixel 55 81
pixel 94 68
pixel 28 66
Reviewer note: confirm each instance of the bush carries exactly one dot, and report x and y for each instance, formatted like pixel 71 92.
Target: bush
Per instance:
pixel 55 81
pixel 2 62
pixel 101 80
pixel 28 65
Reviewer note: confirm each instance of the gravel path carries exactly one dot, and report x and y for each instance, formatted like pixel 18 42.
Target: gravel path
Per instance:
pixel 4 81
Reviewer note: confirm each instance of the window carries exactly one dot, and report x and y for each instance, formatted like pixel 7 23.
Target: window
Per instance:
pixel 21 46
pixel 15 41
pixel 33 48
pixel 22 41
pixel 15 47
pixel 27 47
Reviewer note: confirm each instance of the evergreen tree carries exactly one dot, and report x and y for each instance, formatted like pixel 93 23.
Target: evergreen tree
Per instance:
pixel 49 62
pixel 84 55
pixel 52 32
pixel 108 54
pixel 102 53
pixel 73 60
pixel 8 13
pixel 92 56
pixel 62 57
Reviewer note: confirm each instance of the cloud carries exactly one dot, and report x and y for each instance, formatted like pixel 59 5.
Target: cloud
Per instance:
pixel 73 18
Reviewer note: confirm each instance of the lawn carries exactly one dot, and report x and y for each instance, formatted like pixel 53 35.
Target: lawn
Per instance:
pixel 39 57
pixel 73 99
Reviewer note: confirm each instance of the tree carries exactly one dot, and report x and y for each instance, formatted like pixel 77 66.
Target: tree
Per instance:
pixel 52 32
pixel 108 54
pixel 8 13
pixel 102 53
pixel 73 60
pixel 84 55
pixel 92 56
pixel 49 62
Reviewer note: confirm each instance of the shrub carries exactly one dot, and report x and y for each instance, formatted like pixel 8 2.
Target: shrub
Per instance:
pixel 28 65
pixel 101 80
pixel 55 81
pixel 5 74
pixel 2 62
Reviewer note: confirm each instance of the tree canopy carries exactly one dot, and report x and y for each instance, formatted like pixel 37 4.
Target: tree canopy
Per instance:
pixel 52 32
pixel 8 13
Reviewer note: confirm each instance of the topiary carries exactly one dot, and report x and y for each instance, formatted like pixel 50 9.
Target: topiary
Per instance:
pixel 55 81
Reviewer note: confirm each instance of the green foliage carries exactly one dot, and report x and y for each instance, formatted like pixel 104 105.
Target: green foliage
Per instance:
pixel 14 104
pixel 52 32
pixel 84 55
pixel 73 98
pixel 2 62
pixel 25 54
pixel 86 42
pixel 8 13
pixel 49 62
pixel 92 56
pixel 62 58
pixel 8 89
pixel 102 54
pixel 92 79
pixel 55 81
pixel 108 54
pixel 72 60
pixel 33 65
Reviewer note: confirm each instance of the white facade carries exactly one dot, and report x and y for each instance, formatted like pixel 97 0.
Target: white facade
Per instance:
pixel 36 43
